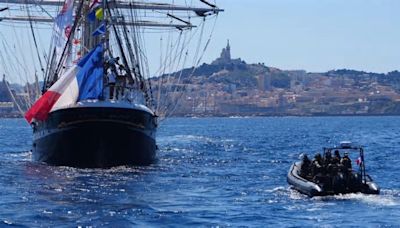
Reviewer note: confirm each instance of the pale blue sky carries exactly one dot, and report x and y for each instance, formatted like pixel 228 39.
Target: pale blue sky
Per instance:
pixel 315 35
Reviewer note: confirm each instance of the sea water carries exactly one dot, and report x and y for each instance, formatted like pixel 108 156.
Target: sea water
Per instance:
pixel 211 172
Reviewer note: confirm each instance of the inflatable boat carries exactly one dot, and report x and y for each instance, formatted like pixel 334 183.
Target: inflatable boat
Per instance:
pixel 333 178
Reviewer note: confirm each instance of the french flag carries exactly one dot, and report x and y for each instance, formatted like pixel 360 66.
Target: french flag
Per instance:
pixel 358 161
pixel 81 82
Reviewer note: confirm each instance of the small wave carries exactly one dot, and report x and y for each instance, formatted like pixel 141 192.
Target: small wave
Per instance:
pixel 20 155
pixel 391 192
pixel 174 149
pixel 7 222
pixel 277 189
pixel 296 195
pixel 186 138
pixel 288 191
pixel 193 138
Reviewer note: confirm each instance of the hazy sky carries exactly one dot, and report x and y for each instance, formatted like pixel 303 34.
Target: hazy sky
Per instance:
pixel 315 35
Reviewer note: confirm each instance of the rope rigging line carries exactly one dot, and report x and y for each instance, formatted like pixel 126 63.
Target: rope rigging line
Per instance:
pixel 34 39
pixel 68 43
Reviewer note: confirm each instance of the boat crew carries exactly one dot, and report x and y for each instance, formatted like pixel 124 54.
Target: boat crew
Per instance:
pixel 346 162
pixel 317 165
pixel 327 159
pixel 331 174
pixel 305 166
pixel 336 157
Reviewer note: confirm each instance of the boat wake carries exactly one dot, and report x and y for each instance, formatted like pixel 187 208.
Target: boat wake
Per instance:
pixel 386 198
pixel 286 191
pixel 18 155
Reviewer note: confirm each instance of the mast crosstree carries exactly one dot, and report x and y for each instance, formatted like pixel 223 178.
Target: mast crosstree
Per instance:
pixel 123 20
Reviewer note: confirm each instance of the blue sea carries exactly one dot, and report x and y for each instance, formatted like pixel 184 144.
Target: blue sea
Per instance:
pixel 211 172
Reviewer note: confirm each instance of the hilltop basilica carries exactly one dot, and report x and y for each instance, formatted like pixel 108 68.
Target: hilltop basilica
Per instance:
pixel 225 57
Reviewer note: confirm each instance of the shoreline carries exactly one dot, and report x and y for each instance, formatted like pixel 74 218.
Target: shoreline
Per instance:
pixel 248 116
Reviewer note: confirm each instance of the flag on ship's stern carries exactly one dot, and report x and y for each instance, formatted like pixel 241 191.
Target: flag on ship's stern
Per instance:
pixel 82 81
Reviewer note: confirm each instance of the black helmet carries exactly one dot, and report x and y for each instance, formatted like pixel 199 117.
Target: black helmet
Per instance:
pixel 337 153
pixel 328 154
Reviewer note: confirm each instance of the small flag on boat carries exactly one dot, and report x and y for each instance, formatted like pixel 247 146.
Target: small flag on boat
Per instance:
pixel 80 82
pixel 358 161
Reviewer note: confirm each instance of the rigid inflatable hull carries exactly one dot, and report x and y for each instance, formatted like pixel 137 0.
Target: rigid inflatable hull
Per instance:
pixel 313 189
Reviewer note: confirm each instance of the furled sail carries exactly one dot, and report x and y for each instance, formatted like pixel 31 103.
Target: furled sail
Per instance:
pixel 173 32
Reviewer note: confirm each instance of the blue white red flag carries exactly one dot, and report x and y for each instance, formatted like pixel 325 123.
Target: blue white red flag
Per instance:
pixel 82 81
pixel 95 4
pixel 62 27
pixel 95 9
pixel 358 161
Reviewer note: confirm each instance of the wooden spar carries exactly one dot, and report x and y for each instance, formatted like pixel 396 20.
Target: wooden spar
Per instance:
pixel 123 4
pixel 177 18
pixel 136 23
pixel 207 3
pixel 35 2
pixel 23 18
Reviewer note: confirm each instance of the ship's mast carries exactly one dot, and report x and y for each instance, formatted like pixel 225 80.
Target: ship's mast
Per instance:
pixel 127 4
pixel 121 26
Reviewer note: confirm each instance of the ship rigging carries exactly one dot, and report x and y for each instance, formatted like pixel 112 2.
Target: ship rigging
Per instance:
pixel 97 107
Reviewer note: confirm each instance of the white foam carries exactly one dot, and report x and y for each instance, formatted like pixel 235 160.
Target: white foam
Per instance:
pixel 277 189
pixel 379 200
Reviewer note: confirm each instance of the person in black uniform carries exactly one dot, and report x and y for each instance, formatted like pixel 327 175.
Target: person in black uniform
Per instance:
pixel 305 166
pixel 346 162
pixel 336 157
pixel 317 165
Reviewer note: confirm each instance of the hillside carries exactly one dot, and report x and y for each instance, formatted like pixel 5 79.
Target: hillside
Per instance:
pixel 230 87
pixel 233 87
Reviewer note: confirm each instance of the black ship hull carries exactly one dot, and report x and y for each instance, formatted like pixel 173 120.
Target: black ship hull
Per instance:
pixel 90 137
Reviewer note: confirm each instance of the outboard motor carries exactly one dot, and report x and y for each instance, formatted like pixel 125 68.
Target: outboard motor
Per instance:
pixel 339 183
pixel 354 182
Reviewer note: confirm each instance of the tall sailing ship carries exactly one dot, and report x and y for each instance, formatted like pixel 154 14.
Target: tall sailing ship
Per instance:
pixel 97 107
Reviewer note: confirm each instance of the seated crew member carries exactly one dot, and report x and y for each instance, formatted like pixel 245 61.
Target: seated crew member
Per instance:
pixel 336 157
pixel 346 162
pixel 317 165
pixel 305 166
pixel 327 159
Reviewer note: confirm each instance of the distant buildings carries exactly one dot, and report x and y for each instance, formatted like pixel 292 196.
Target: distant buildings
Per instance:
pixel 14 101
pixel 232 87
